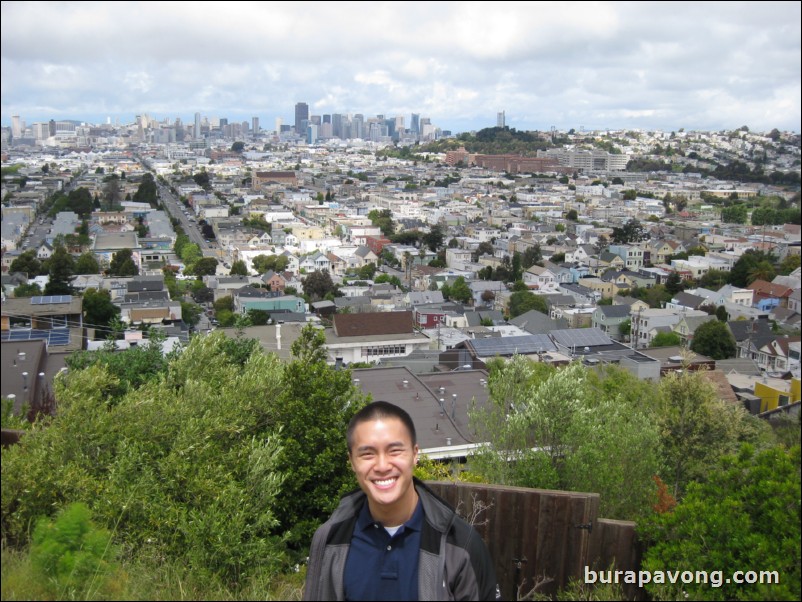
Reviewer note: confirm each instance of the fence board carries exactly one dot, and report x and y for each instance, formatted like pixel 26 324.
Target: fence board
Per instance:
pixel 539 527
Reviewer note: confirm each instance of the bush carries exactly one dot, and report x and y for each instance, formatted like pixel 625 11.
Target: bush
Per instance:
pixel 74 556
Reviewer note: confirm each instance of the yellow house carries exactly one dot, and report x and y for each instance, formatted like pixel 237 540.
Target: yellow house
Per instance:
pixel 774 396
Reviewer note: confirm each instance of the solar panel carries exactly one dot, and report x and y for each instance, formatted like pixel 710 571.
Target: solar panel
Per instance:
pixel 51 299
pixel 524 344
pixel 581 337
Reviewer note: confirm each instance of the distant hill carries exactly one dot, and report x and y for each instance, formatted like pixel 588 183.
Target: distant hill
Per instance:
pixel 495 141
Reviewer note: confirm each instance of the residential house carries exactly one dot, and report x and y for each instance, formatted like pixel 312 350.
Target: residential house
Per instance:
pixel 541 279
pixel 661 250
pixel 631 255
pixel 647 323
pixel 610 260
pixel 768 295
pixel 795 301
pixel 56 319
pixel 781 354
pixel 369 337
pixel 274 281
pixel 607 289
pixel 609 318
pixel 248 298
pixel 685 300
pixel 687 326
pixel 580 294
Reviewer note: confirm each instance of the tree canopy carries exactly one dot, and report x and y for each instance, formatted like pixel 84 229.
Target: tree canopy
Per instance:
pixel 714 340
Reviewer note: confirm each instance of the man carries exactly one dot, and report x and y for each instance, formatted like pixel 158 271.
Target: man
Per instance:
pixel 395 539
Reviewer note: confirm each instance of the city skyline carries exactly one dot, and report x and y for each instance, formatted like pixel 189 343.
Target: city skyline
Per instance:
pixel 666 66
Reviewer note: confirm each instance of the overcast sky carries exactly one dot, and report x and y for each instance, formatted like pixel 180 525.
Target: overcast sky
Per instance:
pixel 652 65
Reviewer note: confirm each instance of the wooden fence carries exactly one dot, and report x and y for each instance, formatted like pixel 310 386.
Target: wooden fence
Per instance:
pixel 541 539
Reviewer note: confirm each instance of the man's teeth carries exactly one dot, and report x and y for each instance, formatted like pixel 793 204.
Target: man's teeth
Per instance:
pixel 385 482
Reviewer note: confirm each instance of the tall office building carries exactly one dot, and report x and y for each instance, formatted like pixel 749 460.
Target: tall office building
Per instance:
pixel 301 116
pixel 311 133
pixel 358 126
pixel 414 124
pixel 16 126
pixel 196 132
pixel 279 122
pixel 337 125
pixel 326 118
pixel 255 125
pixel 500 120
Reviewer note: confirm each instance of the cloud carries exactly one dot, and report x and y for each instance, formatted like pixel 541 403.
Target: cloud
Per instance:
pixel 615 64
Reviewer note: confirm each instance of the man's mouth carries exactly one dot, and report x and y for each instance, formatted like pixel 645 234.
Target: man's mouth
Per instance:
pixel 385 483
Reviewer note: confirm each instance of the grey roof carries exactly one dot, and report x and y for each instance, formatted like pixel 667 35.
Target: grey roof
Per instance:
pixel 744 329
pixel 615 311
pixel 524 344
pixel 689 300
pixel 475 317
pixel 535 322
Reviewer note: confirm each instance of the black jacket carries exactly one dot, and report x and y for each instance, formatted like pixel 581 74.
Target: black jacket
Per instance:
pixel 453 564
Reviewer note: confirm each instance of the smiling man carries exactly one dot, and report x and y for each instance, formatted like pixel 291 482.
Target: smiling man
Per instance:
pixel 395 539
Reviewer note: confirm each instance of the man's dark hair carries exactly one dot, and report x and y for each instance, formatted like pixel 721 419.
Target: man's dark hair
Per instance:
pixel 376 411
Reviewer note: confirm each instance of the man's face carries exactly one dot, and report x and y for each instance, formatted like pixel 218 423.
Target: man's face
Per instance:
pixel 383 458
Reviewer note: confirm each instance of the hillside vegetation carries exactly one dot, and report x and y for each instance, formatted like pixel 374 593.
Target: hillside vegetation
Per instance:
pixel 204 474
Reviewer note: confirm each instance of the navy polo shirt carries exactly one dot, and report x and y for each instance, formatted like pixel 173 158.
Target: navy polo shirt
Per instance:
pixel 380 567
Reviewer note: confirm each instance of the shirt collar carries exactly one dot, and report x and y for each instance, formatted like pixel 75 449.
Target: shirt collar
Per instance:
pixel 365 521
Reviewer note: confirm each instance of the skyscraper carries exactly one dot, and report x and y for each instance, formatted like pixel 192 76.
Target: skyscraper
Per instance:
pixel 196 133
pixel 301 116
pixel 414 124
pixel 500 120
pixel 255 125
pixel 16 126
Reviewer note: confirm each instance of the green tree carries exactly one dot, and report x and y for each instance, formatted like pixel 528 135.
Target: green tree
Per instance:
pixel 460 291
pixel 674 284
pixel 631 231
pixel 565 430
pixel 744 515
pixel 746 264
pixel 98 309
pixel 61 272
pixel 318 284
pixel 714 340
pixel 789 264
pixel 697 428
pixel 572 215
pixel 122 264
pixel 206 266
pixel 714 279
pixel 524 301
pixel 202 179
pixel 383 219
pixel 265 263
pixel 27 263
pixel 315 404
pixel 87 264
pixel 80 201
pixel 238 146
pixel 531 256
pixel 763 270
pixel 434 238
pixel 27 290
pixel 238 268
pixel 148 191
pixel 182 464
pixel 666 339
pixel 734 214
